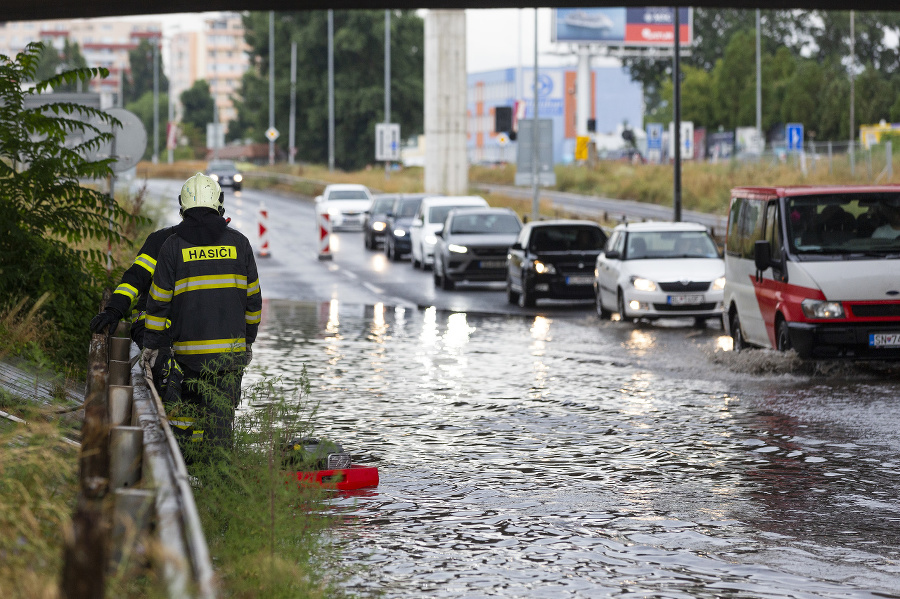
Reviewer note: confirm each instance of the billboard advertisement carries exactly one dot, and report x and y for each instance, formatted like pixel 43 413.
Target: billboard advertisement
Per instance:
pixel 633 26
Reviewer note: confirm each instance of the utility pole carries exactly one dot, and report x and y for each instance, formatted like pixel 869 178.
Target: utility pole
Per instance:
pixel 535 136
pixel 292 125
pixel 170 128
pixel 852 95
pixel 271 84
pixel 156 101
pixel 387 81
pixel 676 104
pixel 758 78
pixel 330 89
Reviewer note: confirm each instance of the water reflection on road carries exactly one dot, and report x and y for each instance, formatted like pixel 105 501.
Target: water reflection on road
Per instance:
pixel 566 456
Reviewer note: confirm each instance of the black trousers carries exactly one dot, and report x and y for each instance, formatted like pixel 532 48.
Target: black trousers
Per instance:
pixel 203 419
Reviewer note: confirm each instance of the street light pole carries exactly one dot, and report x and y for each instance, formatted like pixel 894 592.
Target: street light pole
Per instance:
pixel 271 84
pixel 535 137
pixel 292 148
pixel 387 81
pixel 330 89
pixel 155 101
pixel 852 94
pixel 676 97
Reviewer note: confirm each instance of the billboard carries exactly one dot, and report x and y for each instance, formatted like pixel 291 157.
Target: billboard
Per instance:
pixel 634 26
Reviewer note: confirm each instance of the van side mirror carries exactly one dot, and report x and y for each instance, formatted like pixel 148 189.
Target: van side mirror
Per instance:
pixel 762 254
pixel 613 255
pixel 417 223
pixel 439 233
pixel 516 246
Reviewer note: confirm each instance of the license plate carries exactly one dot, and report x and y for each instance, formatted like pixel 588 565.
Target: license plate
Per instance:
pixel 884 340
pixel 583 280
pixel 685 300
pixel 493 264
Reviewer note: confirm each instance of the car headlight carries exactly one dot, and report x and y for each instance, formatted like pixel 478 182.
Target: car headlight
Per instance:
pixel 718 284
pixel 399 233
pixel 458 249
pixel 214 177
pixel 642 284
pixel 238 178
pixel 430 238
pixel 378 226
pixel 813 308
pixel 544 268
pixel 332 211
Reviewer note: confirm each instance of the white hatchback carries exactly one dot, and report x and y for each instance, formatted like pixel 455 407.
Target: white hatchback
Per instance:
pixel 345 204
pixel 660 270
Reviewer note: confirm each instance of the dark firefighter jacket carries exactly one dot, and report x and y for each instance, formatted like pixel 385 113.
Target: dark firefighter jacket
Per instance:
pixel 205 299
pixel 130 297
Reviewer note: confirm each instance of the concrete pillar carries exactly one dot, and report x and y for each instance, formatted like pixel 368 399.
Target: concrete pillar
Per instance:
pixel 446 164
pixel 583 91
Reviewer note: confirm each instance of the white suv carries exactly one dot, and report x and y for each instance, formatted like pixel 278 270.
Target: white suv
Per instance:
pixel 429 219
pixel 345 204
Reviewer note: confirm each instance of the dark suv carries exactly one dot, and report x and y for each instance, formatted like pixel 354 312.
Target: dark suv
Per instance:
pixel 400 216
pixel 473 244
pixel 553 259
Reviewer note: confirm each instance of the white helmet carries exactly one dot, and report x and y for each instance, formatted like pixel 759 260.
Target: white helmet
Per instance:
pixel 204 191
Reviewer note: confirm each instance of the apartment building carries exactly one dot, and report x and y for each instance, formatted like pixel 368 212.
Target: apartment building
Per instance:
pixel 217 54
pixel 103 43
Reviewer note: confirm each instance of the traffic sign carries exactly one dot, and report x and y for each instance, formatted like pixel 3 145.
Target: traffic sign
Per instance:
pixel 272 133
pixel 654 136
pixel 793 133
pixel 387 142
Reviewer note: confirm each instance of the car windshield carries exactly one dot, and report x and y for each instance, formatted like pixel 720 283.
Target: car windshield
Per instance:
pixel 438 214
pixel 221 166
pixel 864 223
pixel 670 244
pixel 351 194
pixel 566 239
pixel 382 205
pixel 408 208
pixel 485 224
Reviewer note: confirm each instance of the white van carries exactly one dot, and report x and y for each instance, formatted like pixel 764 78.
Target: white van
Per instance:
pixel 815 269
pixel 429 219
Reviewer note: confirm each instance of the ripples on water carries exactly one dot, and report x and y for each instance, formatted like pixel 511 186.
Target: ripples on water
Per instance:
pixel 569 457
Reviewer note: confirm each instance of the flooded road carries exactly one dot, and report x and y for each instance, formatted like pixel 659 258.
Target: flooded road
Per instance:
pixel 538 456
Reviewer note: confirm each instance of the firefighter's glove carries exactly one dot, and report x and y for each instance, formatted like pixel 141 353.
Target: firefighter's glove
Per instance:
pixel 109 318
pixel 248 354
pixel 148 358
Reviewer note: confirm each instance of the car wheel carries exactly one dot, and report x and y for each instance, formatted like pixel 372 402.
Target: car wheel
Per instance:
pixel 387 249
pixel 367 242
pixel 784 337
pixel 602 312
pixel 415 261
pixel 526 298
pixel 237 187
pixel 511 296
pixel 620 306
pixel 436 278
pixel 736 333
pixel 447 284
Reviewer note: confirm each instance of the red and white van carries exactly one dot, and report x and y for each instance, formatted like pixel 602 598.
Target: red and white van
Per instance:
pixel 815 269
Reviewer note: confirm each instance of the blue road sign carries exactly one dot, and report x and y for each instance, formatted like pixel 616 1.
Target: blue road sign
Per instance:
pixel 793 134
pixel 654 136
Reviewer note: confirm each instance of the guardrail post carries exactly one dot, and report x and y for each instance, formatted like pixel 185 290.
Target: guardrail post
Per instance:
pixel 132 515
pixel 120 400
pixel 126 444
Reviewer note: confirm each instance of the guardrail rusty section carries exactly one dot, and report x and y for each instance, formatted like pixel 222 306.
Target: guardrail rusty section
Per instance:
pixel 187 569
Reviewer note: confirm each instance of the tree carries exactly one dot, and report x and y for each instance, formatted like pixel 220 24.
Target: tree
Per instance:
pixel 359 81
pixel 198 105
pixel 143 109
pixel 53 62
pixel 140 80
pixel 46 214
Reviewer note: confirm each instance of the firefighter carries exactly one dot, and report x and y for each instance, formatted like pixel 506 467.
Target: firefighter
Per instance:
pixel 205 304
pixel 129 300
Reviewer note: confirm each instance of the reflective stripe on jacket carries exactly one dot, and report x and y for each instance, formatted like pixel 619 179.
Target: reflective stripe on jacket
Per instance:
pixel 209 298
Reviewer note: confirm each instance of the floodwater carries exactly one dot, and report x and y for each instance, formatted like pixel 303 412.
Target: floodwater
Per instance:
pixel 568 457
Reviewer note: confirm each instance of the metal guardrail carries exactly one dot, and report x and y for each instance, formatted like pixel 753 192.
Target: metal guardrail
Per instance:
pixel 128 452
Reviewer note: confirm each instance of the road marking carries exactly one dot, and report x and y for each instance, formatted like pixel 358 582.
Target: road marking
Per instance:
pixel 373 288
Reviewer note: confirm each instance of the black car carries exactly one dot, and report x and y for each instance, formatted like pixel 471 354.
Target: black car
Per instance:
pixel 401 215
pixel 473 245
pixel 553 259
pixel 375 225
pixel 225 173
